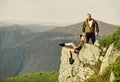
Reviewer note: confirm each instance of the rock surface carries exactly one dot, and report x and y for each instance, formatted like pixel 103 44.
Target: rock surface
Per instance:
pixel 88 57
pixel 109 58
pixel 81 69
pixel 112 77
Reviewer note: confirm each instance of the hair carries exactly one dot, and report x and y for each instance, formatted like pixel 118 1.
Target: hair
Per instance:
pixel 81 35
pixel 89 14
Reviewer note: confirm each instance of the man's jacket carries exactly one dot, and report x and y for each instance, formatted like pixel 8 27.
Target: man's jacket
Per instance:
pixel 87 29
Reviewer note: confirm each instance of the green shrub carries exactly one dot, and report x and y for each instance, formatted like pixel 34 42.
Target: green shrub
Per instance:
pixel 106 41
pixel 114 38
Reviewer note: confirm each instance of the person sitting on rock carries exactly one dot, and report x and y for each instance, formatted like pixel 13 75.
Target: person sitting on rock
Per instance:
pixel 75 49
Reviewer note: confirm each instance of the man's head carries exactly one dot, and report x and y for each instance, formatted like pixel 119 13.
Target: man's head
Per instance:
pixel 89 16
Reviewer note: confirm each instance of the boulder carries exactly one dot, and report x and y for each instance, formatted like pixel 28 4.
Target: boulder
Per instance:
pixel 81 69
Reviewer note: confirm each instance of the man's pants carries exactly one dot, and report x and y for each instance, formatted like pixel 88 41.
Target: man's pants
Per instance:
pixel 90 35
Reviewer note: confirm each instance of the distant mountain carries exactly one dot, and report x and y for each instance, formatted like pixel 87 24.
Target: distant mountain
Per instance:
pixel 38 27
pixel 14 35
pixel 11 58
pixel 76 29
pixel 5 24
pixel 23 50
pixel 35 27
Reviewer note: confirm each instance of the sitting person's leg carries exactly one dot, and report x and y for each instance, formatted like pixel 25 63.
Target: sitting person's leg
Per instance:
pixel 71 60
pixel 69 44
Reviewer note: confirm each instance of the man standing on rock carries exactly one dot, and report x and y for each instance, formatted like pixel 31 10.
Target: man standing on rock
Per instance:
pixel 89 27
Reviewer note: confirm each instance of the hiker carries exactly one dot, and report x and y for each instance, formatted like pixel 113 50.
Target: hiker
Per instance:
pixel 75 49
pixel 89 28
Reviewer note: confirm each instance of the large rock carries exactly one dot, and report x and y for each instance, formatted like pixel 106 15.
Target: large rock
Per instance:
pixel 112 77
pixel 110 57
pixel 81 69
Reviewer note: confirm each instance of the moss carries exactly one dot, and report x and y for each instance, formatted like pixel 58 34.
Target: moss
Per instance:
pixel 106 75
pixel 117 44
pixel 93 78
pixel 117 80
pixel 118 59
pixel 96 67
pixel 116 69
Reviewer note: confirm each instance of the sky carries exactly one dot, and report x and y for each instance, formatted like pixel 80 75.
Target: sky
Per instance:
pixel 59 11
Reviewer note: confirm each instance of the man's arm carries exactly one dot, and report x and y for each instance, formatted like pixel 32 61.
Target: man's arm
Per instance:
pixel 83 27
pixel 97 28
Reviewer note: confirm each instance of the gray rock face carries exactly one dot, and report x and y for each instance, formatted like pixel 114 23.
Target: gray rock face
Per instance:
pixel 81 69
pixel 109 58
pixel 112 77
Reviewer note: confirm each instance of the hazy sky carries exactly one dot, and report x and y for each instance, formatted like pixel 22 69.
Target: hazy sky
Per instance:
pixel 60 11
